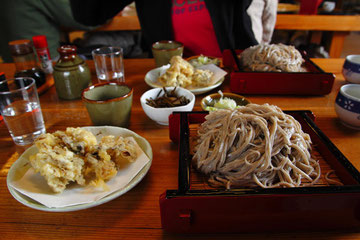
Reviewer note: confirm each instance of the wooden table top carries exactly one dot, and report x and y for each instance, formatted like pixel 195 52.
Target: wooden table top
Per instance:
pixel 135 215
pixel 284 21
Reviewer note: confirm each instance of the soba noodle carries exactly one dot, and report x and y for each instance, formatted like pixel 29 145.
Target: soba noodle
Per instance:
pixel 272 58
pixel 332 181
pixel 254 145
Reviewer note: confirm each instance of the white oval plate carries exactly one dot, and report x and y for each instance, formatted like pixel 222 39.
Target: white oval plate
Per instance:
pixel 22 163
pixel 152 76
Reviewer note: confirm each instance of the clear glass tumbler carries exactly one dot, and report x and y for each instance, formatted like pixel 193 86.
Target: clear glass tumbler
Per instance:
pixel 20 108
pixel 109 64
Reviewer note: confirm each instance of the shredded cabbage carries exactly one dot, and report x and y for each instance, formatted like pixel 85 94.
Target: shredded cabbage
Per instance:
pixel 222 103
pixel 225 103
pixel 203 60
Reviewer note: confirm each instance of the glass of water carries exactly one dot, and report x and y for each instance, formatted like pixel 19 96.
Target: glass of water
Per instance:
pixel 20 108
pixel 109 64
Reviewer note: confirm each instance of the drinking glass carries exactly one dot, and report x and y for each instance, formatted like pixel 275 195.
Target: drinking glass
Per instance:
pixel 109 64
pixel 20 108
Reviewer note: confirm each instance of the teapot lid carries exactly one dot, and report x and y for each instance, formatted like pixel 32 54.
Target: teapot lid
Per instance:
pixel 21 47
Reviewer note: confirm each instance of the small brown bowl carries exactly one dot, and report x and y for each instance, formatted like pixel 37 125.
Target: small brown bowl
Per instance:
pixel 210 100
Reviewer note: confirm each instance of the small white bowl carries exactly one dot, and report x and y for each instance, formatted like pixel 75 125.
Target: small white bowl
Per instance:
pixel 161 115
pixel 347 105
pixel 351 69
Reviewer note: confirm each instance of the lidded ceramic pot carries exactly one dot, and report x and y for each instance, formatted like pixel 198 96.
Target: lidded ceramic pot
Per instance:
pixel 71 73
pixel 25 61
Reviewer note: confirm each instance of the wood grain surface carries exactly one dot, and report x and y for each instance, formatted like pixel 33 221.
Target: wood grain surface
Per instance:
pixel 136 215
pixel 339 25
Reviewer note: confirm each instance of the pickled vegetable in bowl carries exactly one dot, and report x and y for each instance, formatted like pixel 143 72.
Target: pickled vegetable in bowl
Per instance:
pixel 167 99
pixel 222 100
pixel 161 114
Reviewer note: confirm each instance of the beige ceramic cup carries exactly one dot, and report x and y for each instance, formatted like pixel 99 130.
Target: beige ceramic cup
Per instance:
pixel 108 103
pixel 163 51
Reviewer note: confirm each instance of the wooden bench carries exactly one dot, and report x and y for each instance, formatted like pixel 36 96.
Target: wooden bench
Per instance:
pixel 340 26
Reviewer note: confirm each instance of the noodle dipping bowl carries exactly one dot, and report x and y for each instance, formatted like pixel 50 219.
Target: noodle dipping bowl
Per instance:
pixel 210 100
pixel 347 105
pixel 351 69
pixel 161 115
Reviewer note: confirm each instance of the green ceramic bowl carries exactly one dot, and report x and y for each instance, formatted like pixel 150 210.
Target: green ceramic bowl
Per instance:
pixel 108 103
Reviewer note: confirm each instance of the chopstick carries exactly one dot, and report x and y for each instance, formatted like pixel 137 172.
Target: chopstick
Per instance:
pixel 235 58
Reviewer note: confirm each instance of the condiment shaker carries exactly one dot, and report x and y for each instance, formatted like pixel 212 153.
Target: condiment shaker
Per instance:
pixel 42 51
pixel 71 73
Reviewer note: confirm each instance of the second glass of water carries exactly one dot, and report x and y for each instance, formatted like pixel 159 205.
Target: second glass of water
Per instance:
pixel 109 64
pixel 20 108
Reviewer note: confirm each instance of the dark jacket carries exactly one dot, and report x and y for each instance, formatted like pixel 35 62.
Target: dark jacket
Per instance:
pixel 231 23
pixel 23 19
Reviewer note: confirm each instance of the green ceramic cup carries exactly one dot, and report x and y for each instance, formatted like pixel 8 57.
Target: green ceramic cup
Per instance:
pixel 108 104
pixel 163 51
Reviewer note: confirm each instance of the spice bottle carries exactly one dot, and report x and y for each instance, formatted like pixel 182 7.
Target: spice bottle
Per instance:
pixel 71 73
pixel 42 51
pixel 25 61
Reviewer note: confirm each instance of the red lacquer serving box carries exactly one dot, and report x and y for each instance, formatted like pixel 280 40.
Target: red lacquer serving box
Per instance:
pixel 195 207
pixel 313 82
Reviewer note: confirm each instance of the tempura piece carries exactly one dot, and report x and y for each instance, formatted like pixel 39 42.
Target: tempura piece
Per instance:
pixel 178 74
pixel 56 162
pixel 182 73
pixel 120 149
pixel 76 156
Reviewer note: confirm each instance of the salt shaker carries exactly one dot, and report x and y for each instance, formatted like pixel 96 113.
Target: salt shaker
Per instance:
pixel 71 73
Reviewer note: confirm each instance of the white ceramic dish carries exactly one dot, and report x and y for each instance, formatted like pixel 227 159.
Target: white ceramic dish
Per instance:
pixel 22 163
pixel 161 115
pixel 152 76
pixel 347 105
pixel 351 68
